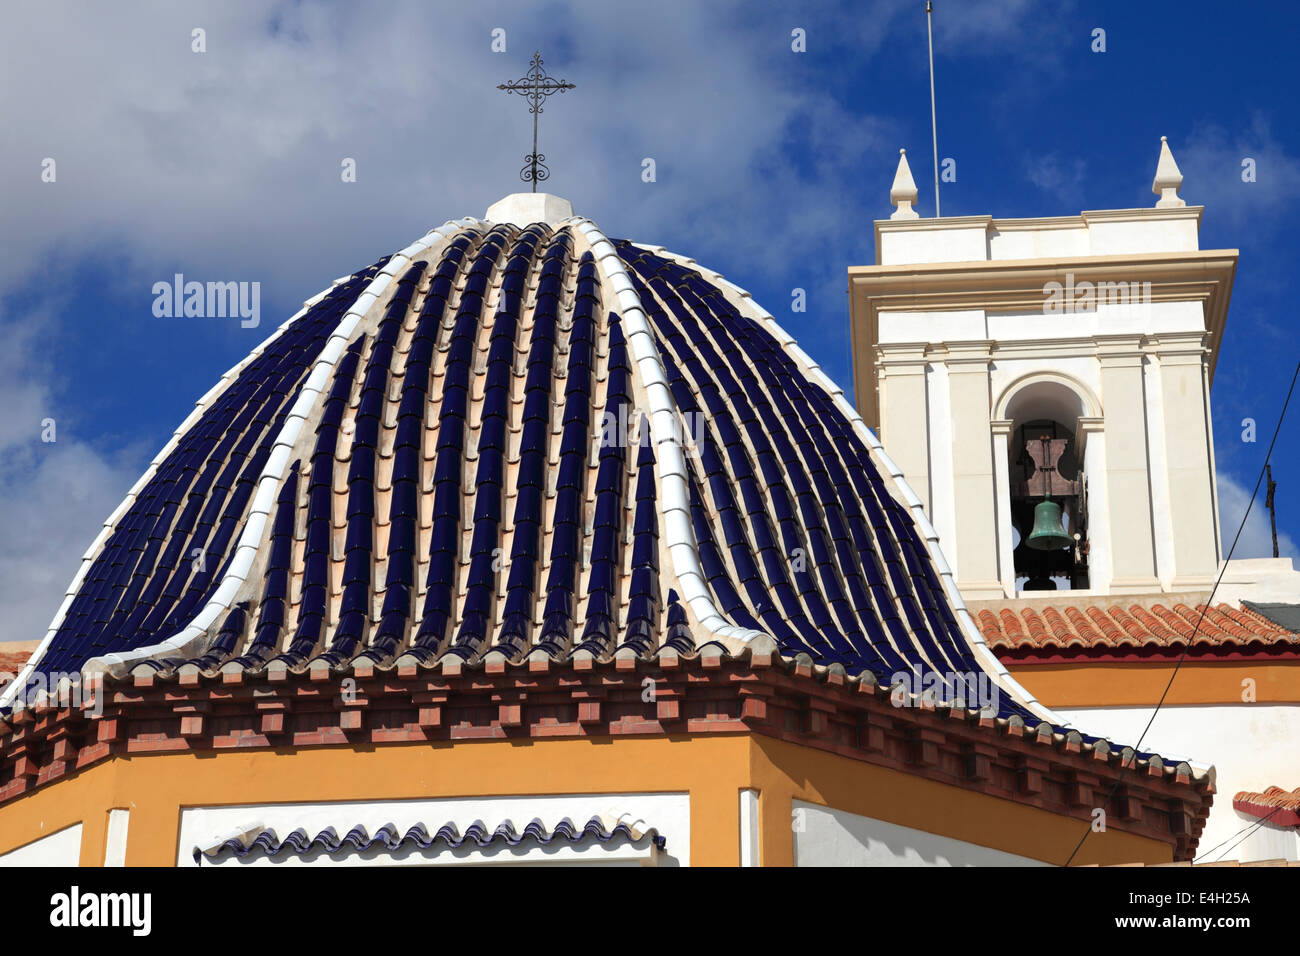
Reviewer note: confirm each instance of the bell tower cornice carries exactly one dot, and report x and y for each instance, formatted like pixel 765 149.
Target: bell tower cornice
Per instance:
pixel 1098 333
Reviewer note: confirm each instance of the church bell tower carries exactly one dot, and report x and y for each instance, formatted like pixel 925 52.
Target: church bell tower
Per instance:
pixel 1044 385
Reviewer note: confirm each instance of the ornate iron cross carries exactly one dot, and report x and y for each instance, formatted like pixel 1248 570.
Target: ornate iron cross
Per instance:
pixel 535 86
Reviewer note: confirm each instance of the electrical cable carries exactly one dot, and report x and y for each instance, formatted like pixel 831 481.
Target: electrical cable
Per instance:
pixel 1124 765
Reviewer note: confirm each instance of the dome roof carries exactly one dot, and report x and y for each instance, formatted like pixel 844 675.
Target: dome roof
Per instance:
pixel 506 441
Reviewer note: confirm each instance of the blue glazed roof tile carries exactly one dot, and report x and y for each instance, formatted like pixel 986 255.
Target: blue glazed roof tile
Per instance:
pixel 421 839
pixel 471 459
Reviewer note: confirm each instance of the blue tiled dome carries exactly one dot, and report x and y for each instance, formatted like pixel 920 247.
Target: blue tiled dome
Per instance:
pixel 503 442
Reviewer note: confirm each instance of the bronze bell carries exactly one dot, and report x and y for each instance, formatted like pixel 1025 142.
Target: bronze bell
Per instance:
pixel 1048 534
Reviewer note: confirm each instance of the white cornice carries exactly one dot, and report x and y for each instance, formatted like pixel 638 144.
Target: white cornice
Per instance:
pixel 1032 223
pixel 932 225
pixel 1019 285
pixel 1133 215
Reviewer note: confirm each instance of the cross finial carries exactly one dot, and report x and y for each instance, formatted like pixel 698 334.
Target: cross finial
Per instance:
pixel 535 86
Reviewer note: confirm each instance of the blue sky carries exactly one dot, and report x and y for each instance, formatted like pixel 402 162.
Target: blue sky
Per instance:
pixel 771 165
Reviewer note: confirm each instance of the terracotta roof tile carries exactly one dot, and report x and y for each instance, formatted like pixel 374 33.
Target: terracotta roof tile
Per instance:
pixel 10 663
pixel 1163 631
pixel 1280 807
pixel 1154 628
pixel 1083 628
pixel 1286 615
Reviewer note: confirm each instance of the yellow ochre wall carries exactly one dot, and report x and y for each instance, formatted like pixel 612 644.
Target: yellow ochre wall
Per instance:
pixel 1133 684
pixel 712 768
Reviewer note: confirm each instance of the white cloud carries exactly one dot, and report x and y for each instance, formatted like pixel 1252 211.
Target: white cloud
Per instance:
pixel 229 160
pixel 54 496
pixel 1062 178
pixel 226 165
pixel 1256 537
pixel 1211 163
pixel 50 515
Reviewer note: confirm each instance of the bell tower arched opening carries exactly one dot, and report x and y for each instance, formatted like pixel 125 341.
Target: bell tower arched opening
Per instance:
pixel 1049 519
pixel 1047 487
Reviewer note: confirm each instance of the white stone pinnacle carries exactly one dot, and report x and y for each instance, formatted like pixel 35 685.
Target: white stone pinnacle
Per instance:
pixel 1168 178
pixel 903 193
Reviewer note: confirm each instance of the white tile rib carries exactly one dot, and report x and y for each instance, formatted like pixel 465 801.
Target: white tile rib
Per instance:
pixel 804 531
pixel 670 462
pixel 745 304
pixel 272 476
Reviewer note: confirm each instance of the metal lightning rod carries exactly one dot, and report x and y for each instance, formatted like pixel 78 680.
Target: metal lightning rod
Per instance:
pixel 934 134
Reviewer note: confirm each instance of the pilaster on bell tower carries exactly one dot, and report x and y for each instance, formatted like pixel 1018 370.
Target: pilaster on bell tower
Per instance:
pixel 1009 363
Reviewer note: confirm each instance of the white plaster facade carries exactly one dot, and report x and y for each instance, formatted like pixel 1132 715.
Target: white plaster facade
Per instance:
pixel 1252 746
pixel 119 824
pixel 62 848
pixel 824 836
pixel 1267 580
